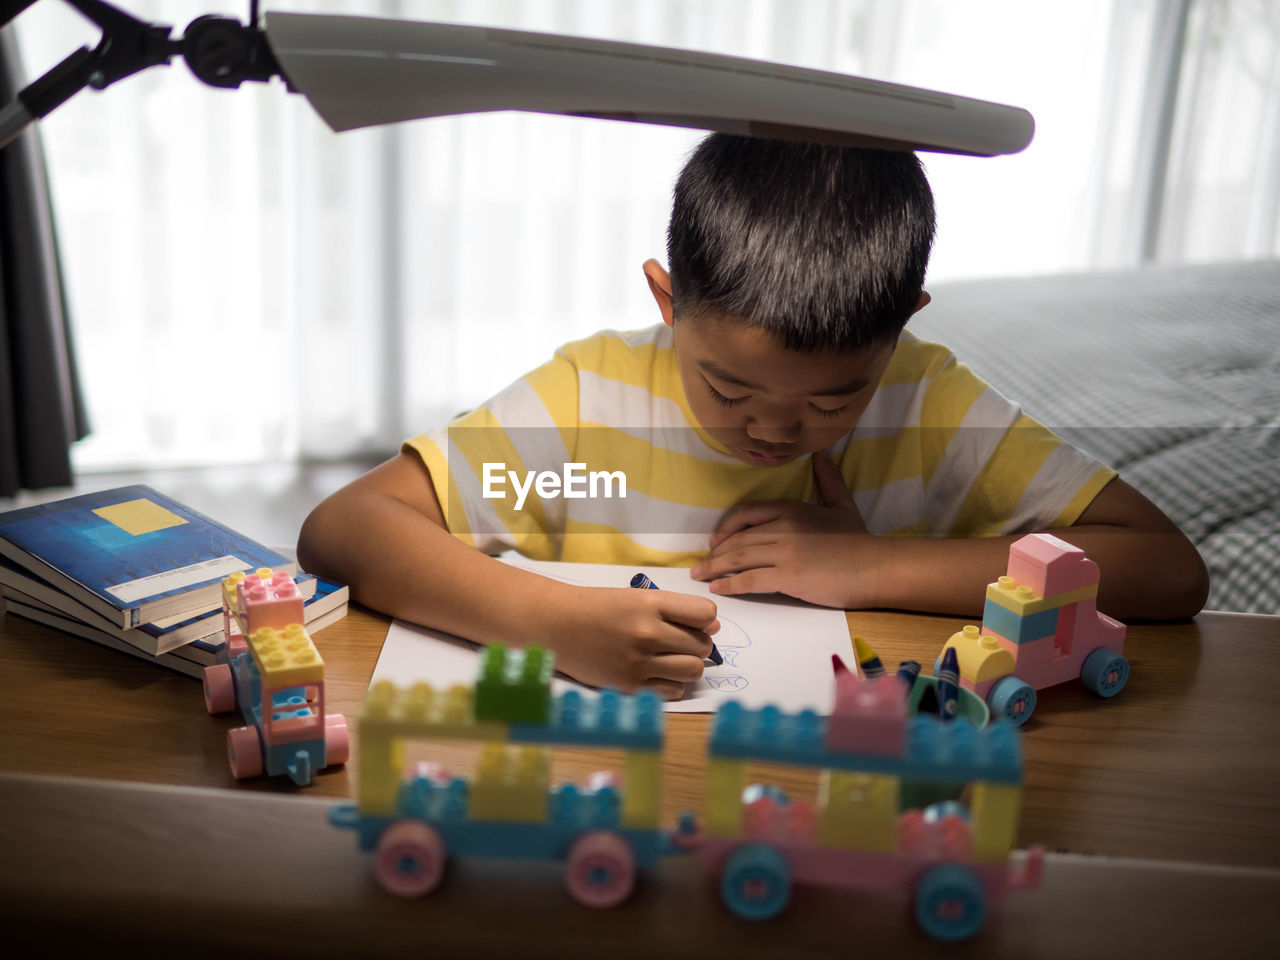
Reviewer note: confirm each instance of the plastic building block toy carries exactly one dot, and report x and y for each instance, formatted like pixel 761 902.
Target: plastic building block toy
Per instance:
pixel 272 670
pixel 263 598
pixel 1040 627
pixel 872 755
pixel 415 819
pixel 514 685
pixel 954 860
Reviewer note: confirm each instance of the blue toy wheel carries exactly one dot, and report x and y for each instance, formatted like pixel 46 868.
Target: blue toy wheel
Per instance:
pixel 950 904
pixel 756 884
pixel 1104 673
pixel 1012 699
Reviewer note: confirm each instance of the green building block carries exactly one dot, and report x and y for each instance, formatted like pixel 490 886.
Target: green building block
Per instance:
pixel 514 686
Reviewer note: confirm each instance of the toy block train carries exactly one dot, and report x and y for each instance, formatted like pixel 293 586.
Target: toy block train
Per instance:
pixel 270 668
pixel 1040 627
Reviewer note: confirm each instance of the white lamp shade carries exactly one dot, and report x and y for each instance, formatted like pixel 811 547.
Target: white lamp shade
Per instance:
pixel 364 71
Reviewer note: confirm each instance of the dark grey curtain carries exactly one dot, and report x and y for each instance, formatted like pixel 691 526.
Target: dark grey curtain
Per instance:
pixel 41 409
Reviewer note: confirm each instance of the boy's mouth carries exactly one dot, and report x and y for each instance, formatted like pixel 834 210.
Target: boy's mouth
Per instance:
pixel 766 458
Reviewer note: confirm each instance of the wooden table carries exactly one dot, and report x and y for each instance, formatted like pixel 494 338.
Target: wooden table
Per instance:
pixel 1184 765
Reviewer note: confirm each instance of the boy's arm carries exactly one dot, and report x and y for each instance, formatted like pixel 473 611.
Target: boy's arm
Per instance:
pixel 384 534
pixel 822 553
pixel 1148 569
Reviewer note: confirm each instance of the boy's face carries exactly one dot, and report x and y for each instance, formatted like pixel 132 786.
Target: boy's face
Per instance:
pixel 769 405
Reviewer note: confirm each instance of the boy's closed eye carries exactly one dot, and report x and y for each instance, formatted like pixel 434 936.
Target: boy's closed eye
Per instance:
pixel 726 400
pixel 720 397
pixel 832 412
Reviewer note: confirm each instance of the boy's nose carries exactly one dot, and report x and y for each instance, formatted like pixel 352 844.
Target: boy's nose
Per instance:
pixel 773 433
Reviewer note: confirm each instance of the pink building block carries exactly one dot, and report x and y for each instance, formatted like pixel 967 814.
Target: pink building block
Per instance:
pixel 869 716
pixel 1057 659
pixel 1050 566
pixel 268 602
pixel 947 838
pixel 836 868
pixel 765 819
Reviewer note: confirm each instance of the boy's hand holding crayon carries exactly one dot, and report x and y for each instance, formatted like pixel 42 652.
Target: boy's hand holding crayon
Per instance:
pixel 818 552
pixel 628 638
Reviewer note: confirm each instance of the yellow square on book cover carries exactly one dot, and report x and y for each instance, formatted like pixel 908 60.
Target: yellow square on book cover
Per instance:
pixel 139 516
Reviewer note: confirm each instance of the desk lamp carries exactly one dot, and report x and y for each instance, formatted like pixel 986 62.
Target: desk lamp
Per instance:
pixel 363 71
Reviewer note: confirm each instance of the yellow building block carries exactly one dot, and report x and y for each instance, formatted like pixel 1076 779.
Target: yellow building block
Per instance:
pixel 229 584
pixel 857 810
pixel 381 770
pixel 511 783
pixel 1024 601
pixel 425 712
pixel 286 658
pixel 642 790
pixel 722 812
pixel 980 657
pixel 994 808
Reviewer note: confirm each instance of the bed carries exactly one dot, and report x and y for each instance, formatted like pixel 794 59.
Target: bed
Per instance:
pixel 1169 374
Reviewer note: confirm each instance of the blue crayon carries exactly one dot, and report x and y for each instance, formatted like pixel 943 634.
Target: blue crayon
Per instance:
pixel 949 685
pixel 908 670
pixel 642 582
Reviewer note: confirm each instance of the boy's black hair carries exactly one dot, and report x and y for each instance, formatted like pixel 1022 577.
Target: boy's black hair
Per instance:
pixel 824 246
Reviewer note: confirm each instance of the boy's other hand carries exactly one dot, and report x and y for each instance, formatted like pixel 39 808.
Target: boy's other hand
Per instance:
pixel 629 639
pixel 819 552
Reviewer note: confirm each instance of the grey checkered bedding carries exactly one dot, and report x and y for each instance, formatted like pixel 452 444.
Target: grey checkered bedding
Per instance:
pixel 1169 374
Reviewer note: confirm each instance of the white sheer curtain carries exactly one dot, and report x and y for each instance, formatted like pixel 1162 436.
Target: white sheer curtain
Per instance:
pixel 248 287
pixel 1223 194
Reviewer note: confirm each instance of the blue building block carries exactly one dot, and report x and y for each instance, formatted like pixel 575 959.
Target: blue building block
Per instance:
pixel 533 841
pixel 248 686
pixel 436 800
pixel 298 760
pixel 1006 623
pixel 934 750
pixel 611 719
pixel 573 808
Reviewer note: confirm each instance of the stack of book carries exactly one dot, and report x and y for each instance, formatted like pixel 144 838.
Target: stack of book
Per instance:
pixel 134 570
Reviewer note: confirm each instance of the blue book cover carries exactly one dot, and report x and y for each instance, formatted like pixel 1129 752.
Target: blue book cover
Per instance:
pixel 131 554
pixel 329 595
pixel 157 638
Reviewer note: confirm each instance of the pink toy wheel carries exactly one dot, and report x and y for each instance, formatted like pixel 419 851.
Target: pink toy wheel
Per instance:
pixel 244 752
pixel 601 869
pixel 219 688
pixel 410 859
pixel 337 740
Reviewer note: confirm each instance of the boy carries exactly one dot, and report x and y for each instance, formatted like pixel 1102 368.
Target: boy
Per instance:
pixel 779 432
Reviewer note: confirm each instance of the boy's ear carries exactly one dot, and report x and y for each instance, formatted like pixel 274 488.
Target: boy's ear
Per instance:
pixel 660 287
pixel 923 302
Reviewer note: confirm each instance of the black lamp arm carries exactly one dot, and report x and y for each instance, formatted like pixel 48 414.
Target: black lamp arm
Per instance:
pixel 127 46
pixel 220 51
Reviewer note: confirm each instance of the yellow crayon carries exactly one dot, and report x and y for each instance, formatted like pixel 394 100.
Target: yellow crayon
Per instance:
pixel 868 662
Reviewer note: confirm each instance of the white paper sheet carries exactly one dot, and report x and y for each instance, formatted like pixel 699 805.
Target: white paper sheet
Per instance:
pixel 776 650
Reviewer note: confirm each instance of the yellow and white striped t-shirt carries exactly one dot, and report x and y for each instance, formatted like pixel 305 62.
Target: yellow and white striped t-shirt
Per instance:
pixel 937 452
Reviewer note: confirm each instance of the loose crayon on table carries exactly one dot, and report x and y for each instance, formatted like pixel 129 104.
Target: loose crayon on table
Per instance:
pixel 928 700
pixel 642 582
pixel 868 662
pixel 908 670
pixel 949 685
